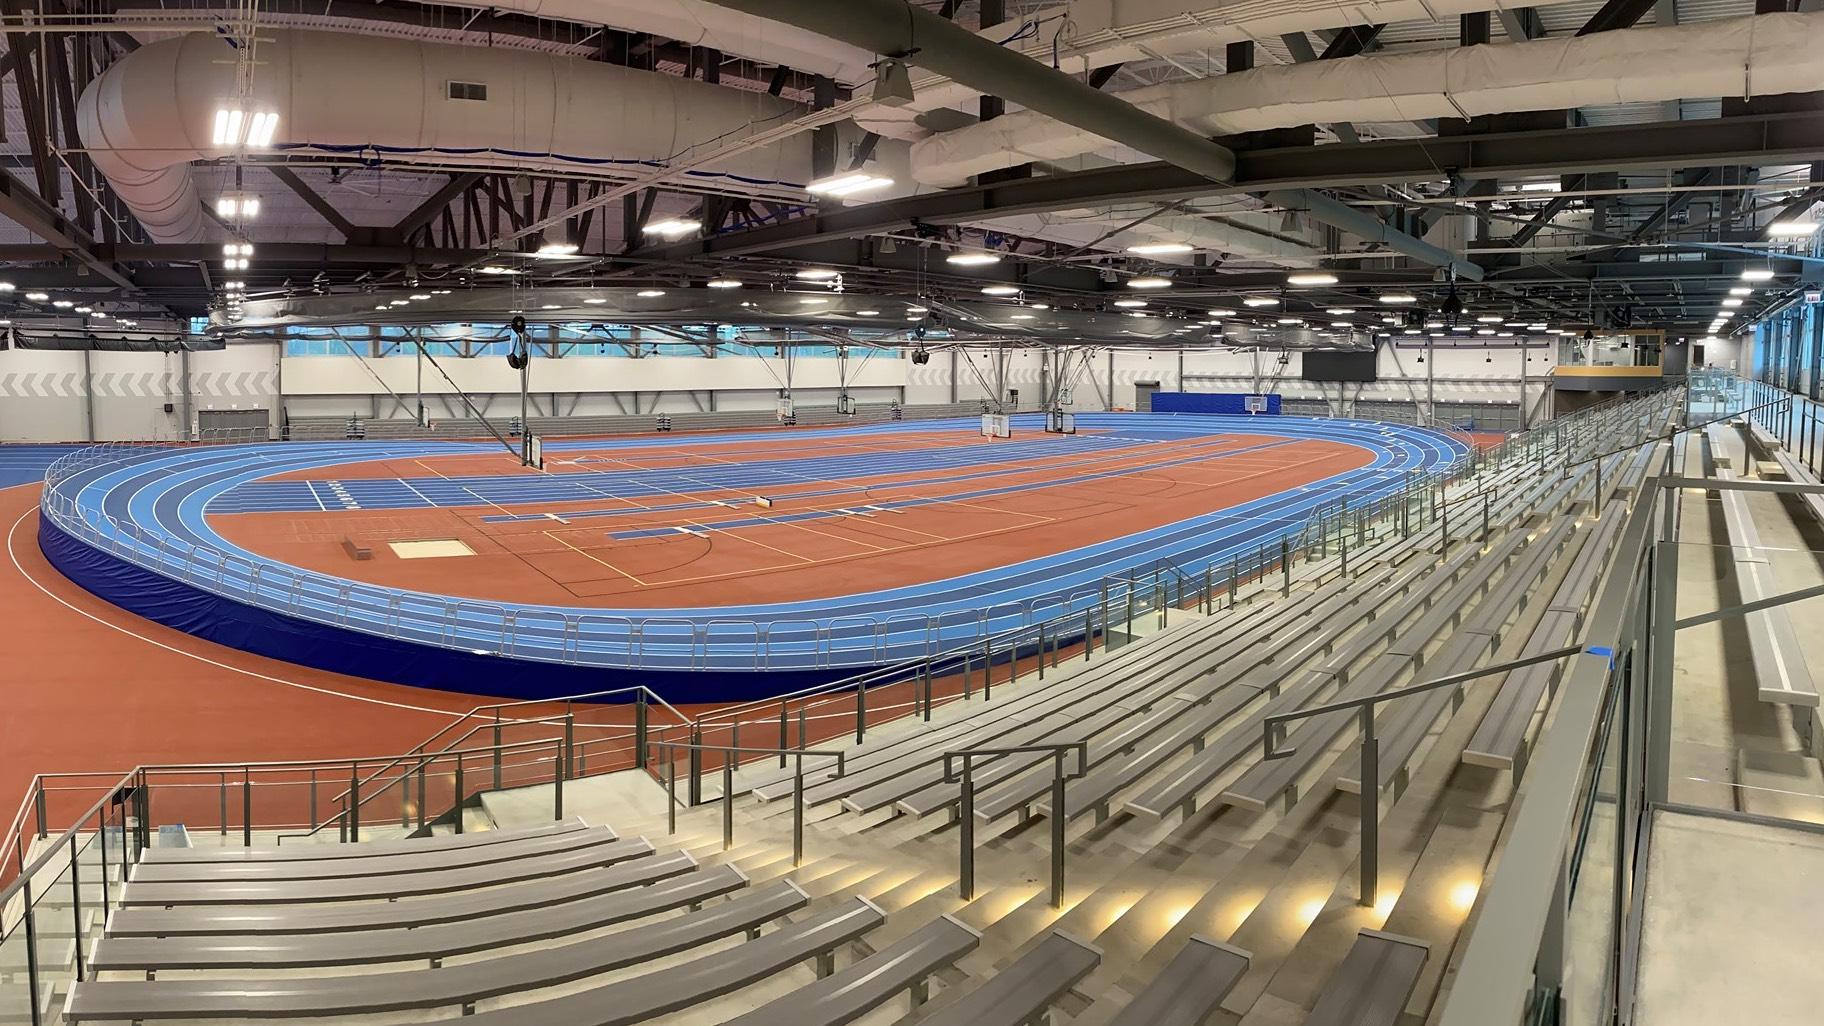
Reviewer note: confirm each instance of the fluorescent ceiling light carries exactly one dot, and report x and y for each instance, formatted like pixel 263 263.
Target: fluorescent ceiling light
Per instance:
pixel 1149 281
pixel 63 304
pixel 237 249
pixel 238 205
pixel 650 293
pixel 1041 306
pixel 1260 301
pixel 724 283
pixel 817 274
pixel 1485 331
pixel 867 313
pixel 7 286
pixel 235 127
pixel 1741 290
pixel 672 227
pixel 1290 320
pixel 1489 319
pixel 421 295
pixel 1541 187
pixel 1411 331
pixel 1130 303
pixel 595 301
pixel 495 269
pixel 1341 324
pixel 1340 311
pixel 1022 317
pixel 37 297
pixel 972 259
pixel 1758 274
pixel 1723 315
pixel 918 309
pixel 1160 248
pixel 1791 229
pixel 1398 297
pixel 549 306
pixel 813 301
pixel 557 248
pixel 847 184
pixel 1732 301
pixel 1311 278
pixel 1001 290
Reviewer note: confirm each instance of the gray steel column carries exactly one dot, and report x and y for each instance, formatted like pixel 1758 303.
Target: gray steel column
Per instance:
pixel 187 404
pixel 88 393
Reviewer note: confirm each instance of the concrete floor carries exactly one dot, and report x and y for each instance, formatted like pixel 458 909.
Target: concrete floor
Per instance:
pixel 1730 931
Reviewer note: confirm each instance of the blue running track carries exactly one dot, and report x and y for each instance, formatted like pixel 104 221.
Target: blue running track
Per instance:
pixel 133 529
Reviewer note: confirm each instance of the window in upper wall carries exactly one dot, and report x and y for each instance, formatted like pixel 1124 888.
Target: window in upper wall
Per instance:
pixel 468 91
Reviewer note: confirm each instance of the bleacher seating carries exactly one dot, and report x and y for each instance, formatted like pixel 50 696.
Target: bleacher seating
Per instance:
pixel 1205 880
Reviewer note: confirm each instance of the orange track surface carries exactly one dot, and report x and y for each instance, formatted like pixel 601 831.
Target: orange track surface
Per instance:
pixel 576 563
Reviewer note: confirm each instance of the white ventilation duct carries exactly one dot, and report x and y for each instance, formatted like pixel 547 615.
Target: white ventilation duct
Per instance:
pixel 1758 55
pixel 1090 34
pixel 702 24
pixel 150 114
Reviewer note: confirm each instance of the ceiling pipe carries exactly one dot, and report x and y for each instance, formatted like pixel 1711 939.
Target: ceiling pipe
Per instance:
pixel 895 28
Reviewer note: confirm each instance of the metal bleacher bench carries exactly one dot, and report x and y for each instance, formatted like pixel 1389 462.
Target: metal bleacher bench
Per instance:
pixel 372 865
pixel 298 997
pixel 1372 985
pixel 1782 674
pixel 1024 991
pixel 1189 989
pixel 870 982
pixel 366 849
pixel 203 920
pixel 412 944
pixel 605 852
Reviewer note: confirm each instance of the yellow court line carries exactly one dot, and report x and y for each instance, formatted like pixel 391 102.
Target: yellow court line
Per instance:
pixel 586 555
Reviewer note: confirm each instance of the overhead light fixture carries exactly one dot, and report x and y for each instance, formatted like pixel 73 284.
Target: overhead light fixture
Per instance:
pixel 1541 187
pixel 918 309
pixel 495 269
pixel 7 286
pixel 813 301
pixel 867 313
pixel 236 127
pixel 1741 290
pixel 1723 315
pixel 1001 290
pixel 817 274
pixel 1489 319
pixel 1535 327
pixel 847 184
pixel 233 205
pixel 1485 331
pixel 1129 304
pixel 1309 278
pixel 672 227
pixel 1340 311
pixel 1732 301
pixel 1791 229
pixel 62 304
pixel 421 295
pixel 1021 317
pixel 650 293
pixel 557 248
pixel 1341 324
pixel 1041 306
pixel 975 258
pixel 1411 331
pixel 1398 297
pixel 549 306
pixel 1758 274
pixel 1260 301
pixel 37 297
pixel 724 283
pixel 1149 281
pixel 1290 320
pixel 1160 248
pixel 237 249
pixel 85 309
pixel 595 301
pixel 440 292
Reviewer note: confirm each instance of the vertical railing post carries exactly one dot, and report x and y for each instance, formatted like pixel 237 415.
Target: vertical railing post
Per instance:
pixel 497 752
pixel 354 802
pixel 965 877
pixel 694 786
pixel 246 808
pixel 784 740
pixel 671 790
pixel 38 810
pixel 1089 631
pixel 798 812
pixel 988 669
pixel 728 799
pixel 557 788
pixel 456 809
pixel 1041 650
pixel 76 909
pixel 1285 566
pixel 31 932
pixel 221 803
pixel 639 731
pixel 569 755
pixel 1371 808
pixel 861 712
pixel 1058 815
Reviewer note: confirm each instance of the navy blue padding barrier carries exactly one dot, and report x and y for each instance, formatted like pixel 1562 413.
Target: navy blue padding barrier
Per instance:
pixel 1209 402
pixel 193 610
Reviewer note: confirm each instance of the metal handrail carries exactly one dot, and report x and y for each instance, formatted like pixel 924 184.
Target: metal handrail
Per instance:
pixel 966 799
pixel 728 785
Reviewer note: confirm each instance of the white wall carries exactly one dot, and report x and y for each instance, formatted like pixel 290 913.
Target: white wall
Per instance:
pixel 54 396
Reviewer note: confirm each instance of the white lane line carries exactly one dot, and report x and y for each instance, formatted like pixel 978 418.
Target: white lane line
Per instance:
pixel 14 556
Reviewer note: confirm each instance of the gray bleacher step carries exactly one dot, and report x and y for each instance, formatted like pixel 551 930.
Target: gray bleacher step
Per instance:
pixel 1782 785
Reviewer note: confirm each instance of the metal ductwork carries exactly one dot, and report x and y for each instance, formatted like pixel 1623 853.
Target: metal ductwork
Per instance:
pixel 895 28
pixel 149 115
pixel 1757 55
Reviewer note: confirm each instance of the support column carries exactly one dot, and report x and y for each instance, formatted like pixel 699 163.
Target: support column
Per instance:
pixel 88 392
pixel 186 402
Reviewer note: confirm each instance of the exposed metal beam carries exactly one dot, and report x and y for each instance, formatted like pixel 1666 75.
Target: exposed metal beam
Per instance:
pixel 24 208
pixel 1543 218
pixel 1616 14
pixel 1351 41
pixel 1523 23
pixel 921 37
pixel 436 201
pixel 1765 138
pixel 323 207
pixel 1101 76
pixel 1675 202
